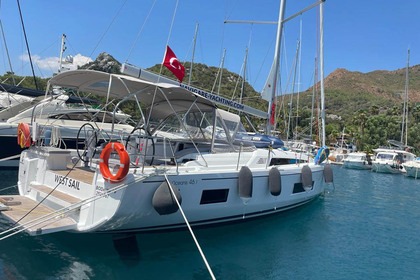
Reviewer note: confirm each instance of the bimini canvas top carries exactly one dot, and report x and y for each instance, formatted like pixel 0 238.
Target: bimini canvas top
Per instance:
pixel 165 98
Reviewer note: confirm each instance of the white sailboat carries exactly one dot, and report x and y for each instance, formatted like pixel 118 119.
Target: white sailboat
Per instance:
pixel 394 158
pixel 184 165
pixel 358 160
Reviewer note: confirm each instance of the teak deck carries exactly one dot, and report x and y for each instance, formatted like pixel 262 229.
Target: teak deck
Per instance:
pixel 35 221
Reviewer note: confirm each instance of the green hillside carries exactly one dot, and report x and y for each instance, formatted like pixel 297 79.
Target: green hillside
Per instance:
pixel 367 106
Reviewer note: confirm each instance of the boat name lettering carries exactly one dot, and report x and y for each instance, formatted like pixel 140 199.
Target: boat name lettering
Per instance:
pixel 215 98
pixel 66 181
pixel 101 191
pixel 183 183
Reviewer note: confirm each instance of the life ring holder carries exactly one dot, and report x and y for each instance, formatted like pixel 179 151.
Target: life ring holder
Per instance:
pixel 104 162
pixel 24 135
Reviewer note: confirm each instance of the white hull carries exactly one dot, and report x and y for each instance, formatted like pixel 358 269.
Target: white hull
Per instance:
pixel 391 160
pixel 130 209
pixel 361 165
pixel 391 168
pixel 412 169
pixel 357 160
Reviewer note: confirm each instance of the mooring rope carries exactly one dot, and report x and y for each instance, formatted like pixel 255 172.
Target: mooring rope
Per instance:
pixel 5 189
pixel 8 158
pixel 189 228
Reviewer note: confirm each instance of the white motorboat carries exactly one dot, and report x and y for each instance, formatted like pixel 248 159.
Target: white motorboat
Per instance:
pixel 391 160
pixel 412 168
pixel 358 160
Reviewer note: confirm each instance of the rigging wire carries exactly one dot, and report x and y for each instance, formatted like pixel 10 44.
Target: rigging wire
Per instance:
pixel 27 45
pixel 7 51
pixel 140 31
pixel 107 29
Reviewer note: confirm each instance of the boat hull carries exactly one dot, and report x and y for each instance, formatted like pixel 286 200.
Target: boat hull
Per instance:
pixel 412 169
pixel 387 168
pixel 208 196
pixel 360 165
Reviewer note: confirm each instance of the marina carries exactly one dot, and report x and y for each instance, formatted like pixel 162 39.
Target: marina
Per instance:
pixel 114 171
pixel 354 231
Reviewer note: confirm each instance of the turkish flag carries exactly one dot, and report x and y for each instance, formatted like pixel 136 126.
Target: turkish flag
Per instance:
pixel 173 64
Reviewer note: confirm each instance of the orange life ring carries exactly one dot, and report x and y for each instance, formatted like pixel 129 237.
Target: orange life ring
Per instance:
pixel 24 135
pixel 124 162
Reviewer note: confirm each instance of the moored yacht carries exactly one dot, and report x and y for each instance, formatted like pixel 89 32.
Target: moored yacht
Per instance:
pixel 139 180
pixel 358 160
pixel 391 160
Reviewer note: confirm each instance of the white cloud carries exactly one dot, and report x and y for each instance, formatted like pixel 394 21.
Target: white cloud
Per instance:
pixel 52 63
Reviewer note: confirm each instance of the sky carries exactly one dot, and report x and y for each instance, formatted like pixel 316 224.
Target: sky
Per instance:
pixel 359 35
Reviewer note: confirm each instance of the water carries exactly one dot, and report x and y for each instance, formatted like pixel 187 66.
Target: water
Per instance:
pixel 367 228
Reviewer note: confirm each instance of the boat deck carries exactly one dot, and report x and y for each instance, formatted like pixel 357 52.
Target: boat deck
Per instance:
pixel 35 219
pixel 55 193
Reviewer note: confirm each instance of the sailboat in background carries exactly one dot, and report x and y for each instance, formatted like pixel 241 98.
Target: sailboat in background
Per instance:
pixel 397 156
pixel 63 114
pixel 411 167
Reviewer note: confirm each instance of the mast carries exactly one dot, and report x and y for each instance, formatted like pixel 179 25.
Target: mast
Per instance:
pixel 321 66
pixel 291 95
pixel 244 76
pixel 313 99
pixel 62 50
pixel 404 126
pixel 222 64
pixel 193 53
pixel 276 62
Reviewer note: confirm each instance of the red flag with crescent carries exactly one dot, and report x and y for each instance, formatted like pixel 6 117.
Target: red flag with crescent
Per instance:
pixel 173 64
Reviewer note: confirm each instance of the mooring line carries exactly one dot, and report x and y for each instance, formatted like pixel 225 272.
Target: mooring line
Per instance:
pixel 5 189
pixel 11 157
pixel 189 228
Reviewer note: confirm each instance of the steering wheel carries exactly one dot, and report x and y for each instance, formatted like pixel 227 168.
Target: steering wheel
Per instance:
pixel 86 136
pixel 148 137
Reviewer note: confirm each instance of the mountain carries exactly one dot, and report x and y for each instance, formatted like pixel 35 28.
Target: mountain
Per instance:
pixel 105 63
pixel 381 84
pixel 350 91
pixel 367 105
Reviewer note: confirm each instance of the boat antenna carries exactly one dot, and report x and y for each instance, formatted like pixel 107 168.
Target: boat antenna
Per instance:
pixel 27 45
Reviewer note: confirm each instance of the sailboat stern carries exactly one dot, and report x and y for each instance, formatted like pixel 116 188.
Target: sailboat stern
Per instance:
pixel 58 196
